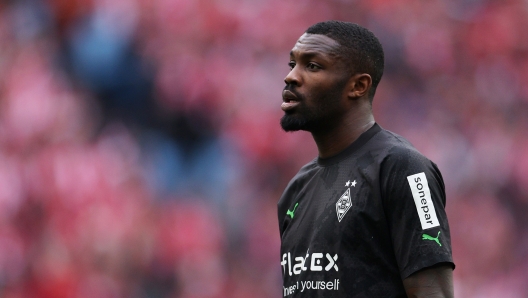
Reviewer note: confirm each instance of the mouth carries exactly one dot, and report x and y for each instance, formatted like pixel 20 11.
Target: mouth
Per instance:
pixel 290 100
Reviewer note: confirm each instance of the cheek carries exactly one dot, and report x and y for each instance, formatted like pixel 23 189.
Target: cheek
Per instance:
pixel 325 93
pixel 329 94
pixel 318 90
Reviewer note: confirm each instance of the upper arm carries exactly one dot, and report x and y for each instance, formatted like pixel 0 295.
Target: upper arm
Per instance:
pixel 435 282
pixel 414 203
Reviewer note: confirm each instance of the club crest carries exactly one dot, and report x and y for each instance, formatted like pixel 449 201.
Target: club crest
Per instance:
pixel 343 204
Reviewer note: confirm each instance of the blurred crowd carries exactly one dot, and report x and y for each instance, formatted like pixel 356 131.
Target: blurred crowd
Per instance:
pixel 141 155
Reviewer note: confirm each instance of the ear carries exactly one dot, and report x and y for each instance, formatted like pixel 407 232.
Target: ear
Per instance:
pixel 359 85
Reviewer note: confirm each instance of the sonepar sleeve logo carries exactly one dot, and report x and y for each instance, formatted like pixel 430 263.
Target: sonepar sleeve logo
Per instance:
pixel 422 200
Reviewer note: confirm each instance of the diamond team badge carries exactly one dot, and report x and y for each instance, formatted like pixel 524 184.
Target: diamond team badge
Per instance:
pixel 343 205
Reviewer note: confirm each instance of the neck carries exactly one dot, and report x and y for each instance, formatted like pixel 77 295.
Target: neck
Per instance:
pixel 331 142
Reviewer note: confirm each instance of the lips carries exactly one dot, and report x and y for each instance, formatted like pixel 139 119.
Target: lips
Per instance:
pixel 290 100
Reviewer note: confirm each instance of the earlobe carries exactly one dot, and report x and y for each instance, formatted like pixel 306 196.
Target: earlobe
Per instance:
pixel 360 85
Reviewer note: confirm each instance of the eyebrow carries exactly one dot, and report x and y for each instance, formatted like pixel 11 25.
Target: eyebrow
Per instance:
pixel 310 54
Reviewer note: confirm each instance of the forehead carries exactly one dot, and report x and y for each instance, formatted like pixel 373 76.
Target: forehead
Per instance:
pixel 315 44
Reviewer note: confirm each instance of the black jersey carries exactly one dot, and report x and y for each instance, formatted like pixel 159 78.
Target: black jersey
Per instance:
pixel 356 224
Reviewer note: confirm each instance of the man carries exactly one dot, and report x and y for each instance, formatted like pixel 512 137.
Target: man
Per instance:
pixel 365 218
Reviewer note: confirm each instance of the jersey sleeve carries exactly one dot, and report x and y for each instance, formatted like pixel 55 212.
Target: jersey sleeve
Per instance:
pixel 414 199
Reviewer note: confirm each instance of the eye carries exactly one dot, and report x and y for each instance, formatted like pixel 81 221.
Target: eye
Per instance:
pixel 313 66
pixel 291 64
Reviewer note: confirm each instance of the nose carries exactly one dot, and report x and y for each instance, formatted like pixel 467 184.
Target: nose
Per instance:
pixel 293 77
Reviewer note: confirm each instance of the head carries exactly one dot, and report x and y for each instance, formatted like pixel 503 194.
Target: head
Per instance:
pixel 331 64
pixel 359 49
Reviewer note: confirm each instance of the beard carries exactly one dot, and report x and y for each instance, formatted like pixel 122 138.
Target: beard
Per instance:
pixel 290 122
pixel 318 116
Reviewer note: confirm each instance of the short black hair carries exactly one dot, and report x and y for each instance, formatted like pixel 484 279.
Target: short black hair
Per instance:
pixel 359 47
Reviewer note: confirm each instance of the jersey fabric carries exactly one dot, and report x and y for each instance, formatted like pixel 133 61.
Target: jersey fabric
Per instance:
pixel 358 223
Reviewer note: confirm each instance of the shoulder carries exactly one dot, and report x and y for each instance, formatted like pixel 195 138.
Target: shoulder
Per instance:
pixel 299 180
pixel 401 160
pixel 399 151
pixel 395 143
pixel 306 169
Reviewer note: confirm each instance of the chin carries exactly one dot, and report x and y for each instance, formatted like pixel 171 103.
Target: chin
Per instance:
pixel 291 123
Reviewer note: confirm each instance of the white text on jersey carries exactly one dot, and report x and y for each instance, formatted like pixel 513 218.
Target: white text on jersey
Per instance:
pixel 315 264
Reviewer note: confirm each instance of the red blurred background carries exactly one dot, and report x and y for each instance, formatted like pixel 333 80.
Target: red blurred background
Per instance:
pixel 141 155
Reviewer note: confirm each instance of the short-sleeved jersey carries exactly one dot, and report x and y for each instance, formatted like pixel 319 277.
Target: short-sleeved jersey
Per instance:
pixel 358 223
